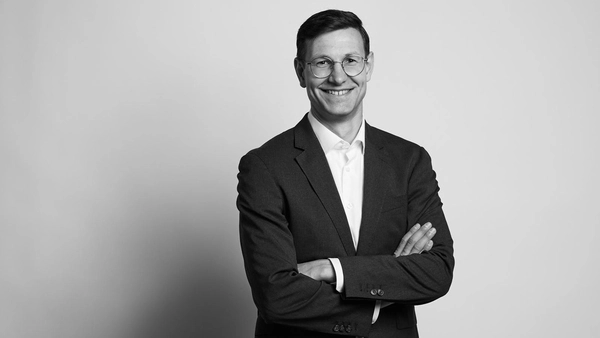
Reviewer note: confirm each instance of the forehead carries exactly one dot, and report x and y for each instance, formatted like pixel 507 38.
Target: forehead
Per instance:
pixel 336 44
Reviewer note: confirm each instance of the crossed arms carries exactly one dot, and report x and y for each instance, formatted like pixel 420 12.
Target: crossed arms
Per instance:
pixel 416 240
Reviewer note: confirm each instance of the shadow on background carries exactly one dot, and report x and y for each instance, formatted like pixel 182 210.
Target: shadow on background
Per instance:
pixel 203 293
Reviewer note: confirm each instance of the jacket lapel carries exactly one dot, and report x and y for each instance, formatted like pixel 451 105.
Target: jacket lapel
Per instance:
pixel 377 175
pixel 314 164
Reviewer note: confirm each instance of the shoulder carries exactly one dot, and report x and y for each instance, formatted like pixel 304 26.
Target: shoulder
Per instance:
pixel 279 146
pixel 288 144
pixel 277 155
pixel 400 152
pixel 408 159
pixel 389 141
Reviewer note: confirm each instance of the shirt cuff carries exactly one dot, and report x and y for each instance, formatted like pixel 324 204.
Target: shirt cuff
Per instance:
pixel 376 311
pixel 378 306
pixel 339 274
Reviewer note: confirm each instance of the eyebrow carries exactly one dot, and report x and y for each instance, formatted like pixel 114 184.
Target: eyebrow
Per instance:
pixel 329 57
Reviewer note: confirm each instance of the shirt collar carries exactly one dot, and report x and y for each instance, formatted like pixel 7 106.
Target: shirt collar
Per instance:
pixel 329 139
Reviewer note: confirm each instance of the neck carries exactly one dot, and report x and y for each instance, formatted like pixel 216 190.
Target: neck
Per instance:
pixel 346 129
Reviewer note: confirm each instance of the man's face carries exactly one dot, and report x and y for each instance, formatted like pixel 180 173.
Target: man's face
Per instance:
pixel 337 97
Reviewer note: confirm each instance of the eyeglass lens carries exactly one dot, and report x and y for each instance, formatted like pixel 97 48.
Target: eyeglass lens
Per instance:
pixel 323 67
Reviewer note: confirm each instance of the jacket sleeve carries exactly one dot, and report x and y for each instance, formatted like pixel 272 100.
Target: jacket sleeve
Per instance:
pixel 414 279
pixel 281 294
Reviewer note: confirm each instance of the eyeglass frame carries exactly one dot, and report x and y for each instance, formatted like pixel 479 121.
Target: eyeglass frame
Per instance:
pixel 364 59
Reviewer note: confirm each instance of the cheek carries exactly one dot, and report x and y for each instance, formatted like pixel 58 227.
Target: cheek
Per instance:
pixel 315 93
pixel 312 93
pixel 313 85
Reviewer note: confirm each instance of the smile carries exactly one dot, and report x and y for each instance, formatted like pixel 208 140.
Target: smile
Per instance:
pixel 337 92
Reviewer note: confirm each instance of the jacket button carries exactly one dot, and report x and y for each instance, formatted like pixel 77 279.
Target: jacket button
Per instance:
pixel 374 292
pixel 336 328
pixel 380 292
pixel 349 328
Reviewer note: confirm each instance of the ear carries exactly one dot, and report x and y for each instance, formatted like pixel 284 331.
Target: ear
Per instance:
pixel 299 68
pixel 370 64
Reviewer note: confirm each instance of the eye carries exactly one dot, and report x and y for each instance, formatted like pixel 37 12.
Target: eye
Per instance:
pixel 321 63
pixel 352 60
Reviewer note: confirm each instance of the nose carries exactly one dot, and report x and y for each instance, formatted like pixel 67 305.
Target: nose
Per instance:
pixel 338 75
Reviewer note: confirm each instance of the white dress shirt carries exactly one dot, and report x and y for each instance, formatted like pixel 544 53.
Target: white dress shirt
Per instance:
pixel 346 161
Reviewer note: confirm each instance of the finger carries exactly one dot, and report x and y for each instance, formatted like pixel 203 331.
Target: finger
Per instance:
pixel 422 244
pixel 405 238
pixel 414 239
pixel 429 246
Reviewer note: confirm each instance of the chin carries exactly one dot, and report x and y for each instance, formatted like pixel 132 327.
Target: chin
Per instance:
pixel 341 116
pixel 336 111
pixel 342 111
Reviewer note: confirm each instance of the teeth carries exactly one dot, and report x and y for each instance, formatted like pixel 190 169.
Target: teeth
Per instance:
pixel 338 92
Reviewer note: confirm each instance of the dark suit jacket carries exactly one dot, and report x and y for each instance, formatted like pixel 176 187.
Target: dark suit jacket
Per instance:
pixel 291 212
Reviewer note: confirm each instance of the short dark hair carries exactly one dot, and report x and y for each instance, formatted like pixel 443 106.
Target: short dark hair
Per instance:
pixel 325 22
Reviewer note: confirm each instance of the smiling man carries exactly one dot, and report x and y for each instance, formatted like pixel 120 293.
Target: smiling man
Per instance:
pixel 341 226
pixel 336 88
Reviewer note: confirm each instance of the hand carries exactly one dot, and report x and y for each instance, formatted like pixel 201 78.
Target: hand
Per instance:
pixel 320 270
pixel 416 240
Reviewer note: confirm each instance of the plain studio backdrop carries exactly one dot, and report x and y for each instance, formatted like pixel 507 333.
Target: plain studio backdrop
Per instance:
pixel 122 124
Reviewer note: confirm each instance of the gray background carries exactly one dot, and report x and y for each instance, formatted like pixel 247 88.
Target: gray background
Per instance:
pixel 122 123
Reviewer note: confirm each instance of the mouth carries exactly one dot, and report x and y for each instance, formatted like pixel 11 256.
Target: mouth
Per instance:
pixel 337 92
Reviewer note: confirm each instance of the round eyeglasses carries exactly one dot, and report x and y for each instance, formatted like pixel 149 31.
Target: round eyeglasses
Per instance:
pixel 323 67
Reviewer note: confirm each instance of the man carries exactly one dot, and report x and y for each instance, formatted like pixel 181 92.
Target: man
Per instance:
pixel 326 207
